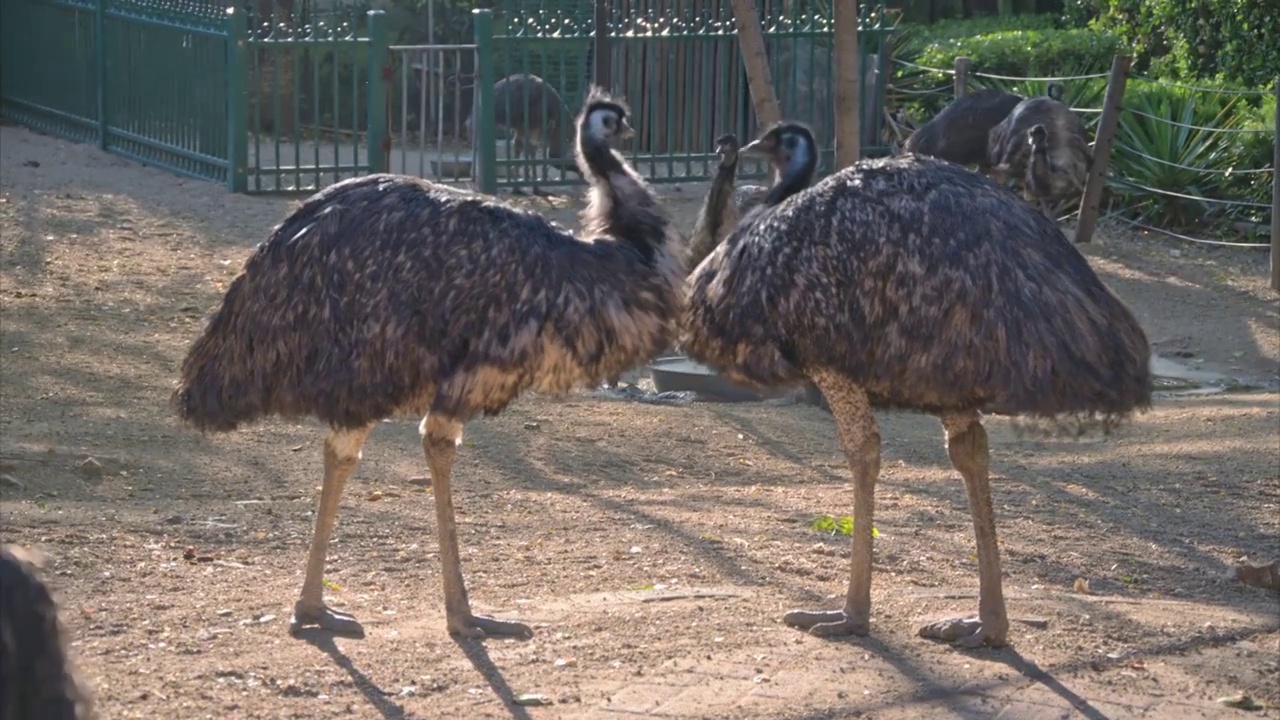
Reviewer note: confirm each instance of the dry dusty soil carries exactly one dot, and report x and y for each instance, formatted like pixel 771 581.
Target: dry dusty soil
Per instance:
pixel 655 548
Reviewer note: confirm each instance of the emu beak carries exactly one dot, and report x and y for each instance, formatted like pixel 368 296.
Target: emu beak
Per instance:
pixel 755 147
pixel 624 129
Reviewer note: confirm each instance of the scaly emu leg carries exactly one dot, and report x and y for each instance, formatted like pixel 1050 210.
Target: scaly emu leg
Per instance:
pixel 860 436
pixel 967 446
pixel 341 455
pixel 440 438
pixel 518 144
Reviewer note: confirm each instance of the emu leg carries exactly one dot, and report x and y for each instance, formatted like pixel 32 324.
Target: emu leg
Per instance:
pixel 341 455
pixel 517 151
pixel 967 446
pixel 860 435
pixel 440 438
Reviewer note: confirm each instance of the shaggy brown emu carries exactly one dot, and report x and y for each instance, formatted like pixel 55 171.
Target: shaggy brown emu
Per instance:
pixel 37 678
pixel 1064 165
pixel 532 110
pixel 387 296
pixel 912 283
pixel 719 215
pixel 958 134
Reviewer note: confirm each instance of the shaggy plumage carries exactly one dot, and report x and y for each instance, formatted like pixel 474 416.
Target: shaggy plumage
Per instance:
pixel 959 132
pixel 1065 159
pixel 724 205
pixel 37 679
pixel 531 109
pixel 912 283
pixel 386 296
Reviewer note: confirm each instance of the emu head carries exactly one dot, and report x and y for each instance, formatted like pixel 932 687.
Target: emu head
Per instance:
pixel 727 149
pixel 789 146
pixel 604 118
pixel 1038 139
pixel 1055 90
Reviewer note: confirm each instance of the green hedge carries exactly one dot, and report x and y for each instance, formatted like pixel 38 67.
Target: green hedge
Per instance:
pixel 1234 39
pixel 1023 53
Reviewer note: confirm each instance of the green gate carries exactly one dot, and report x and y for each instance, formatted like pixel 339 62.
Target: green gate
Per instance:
pixel 263 105
pixel 138 77
pixel 681 71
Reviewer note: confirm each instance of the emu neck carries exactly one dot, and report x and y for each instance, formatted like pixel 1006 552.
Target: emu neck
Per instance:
pixel 600 158
pixel 720 196
pixel 791 180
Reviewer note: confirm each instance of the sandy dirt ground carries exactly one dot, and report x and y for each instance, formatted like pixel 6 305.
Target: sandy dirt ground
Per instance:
pixel 654 548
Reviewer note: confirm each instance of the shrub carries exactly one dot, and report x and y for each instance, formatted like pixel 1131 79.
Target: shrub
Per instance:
pixel 1026 52
pixel 1238 39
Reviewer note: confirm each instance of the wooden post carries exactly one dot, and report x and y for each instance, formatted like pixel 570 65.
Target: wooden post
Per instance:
pixel 848 85
pixel 756 62
pixel 962 76
pixel 1275 200
pixel 602 70
pixel 1106 134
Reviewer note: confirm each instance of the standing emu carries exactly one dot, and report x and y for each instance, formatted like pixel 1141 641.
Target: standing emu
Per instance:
pixel 1061 168
pixel 37 679
pixel 958 134
pixel 533 111
pixel 719 215
pixel 912 283
pixel 388 296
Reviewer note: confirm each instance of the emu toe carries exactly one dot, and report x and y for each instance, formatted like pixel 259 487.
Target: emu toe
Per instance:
pixel 325 618
pixel 480 626
pixel 828 623
pixel 967 632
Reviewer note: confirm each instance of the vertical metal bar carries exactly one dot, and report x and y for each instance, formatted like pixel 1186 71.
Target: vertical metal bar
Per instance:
pixel 601 73
pixel 295 59
pixel 425 88
pixel 486 164
pixel 237 102
pixel 1275 200
pixel 406 67
pixel 312 54
pixel 100 48
pixel 376 95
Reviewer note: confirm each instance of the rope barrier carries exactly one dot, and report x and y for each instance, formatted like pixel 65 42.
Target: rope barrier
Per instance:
pixel 932 91
pixel 1188 238
pixel 1170 163
pixel 1095 76
pixel 1249 131
pixel 1224 91
pixel 1170 193
pixel 904 63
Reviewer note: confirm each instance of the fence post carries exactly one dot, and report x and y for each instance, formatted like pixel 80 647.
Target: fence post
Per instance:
pixel 379 77
pixel 1102 140
pixel 100 31
pixel 486 163
pixel 237 101
pixel 603 67
pixel 962 76
pixel 1275 200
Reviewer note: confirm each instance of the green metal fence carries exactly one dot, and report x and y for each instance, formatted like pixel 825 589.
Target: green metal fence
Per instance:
pixel 201 90
pixel 144 80
pixel 683 74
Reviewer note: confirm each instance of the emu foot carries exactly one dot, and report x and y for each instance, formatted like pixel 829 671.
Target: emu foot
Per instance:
pixel 480 626
pixel 828 623
pixel 967 632
pixel 325 618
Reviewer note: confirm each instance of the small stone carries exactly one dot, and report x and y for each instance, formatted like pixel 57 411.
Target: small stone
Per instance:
pixel 91 468
pixel 533 699
pixel 532 426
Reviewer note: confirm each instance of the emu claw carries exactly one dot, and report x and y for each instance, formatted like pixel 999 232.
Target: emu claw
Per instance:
pixel 339 623
pixel 830 623
pixel 966 632
pixel 481 626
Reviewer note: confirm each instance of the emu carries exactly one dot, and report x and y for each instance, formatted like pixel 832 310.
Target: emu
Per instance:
pixel 37 678
pixel 912 283
pixel 390 296
pixel 958 134
pixel 719 215
pixel 533 111
pixel 1060 168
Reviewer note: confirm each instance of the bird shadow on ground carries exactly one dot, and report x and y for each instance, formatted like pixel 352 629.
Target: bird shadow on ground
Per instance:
pixel 478 655
pixel 323 640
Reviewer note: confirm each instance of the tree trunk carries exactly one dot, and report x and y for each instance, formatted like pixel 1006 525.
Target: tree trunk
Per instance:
pixel 848 84
pixel 756 61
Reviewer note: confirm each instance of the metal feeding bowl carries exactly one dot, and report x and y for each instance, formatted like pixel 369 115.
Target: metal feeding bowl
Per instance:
pixel 680 374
